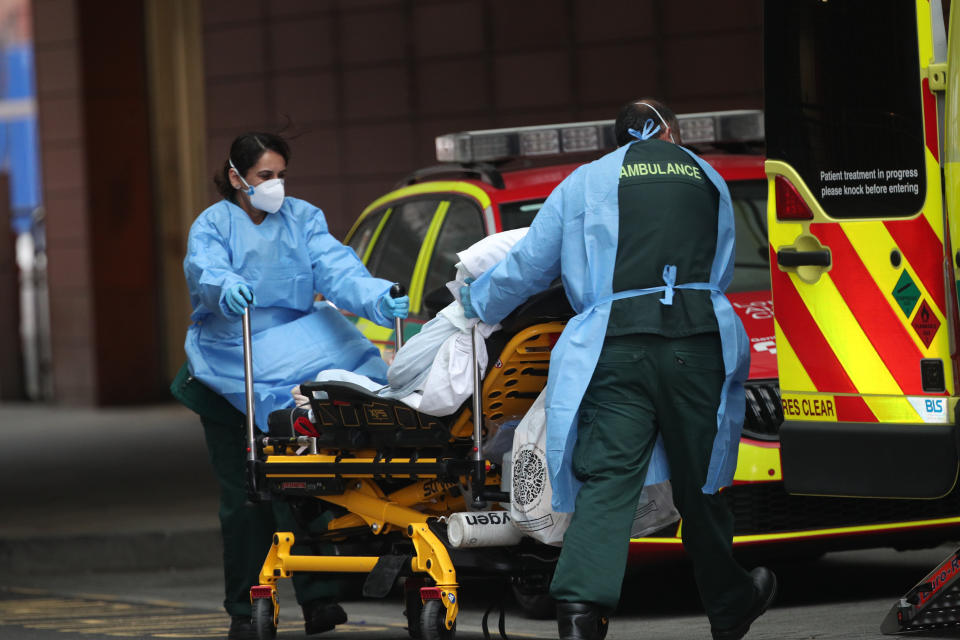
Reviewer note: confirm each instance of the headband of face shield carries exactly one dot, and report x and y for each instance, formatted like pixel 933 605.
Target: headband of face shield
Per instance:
pixel 650 128
pixel 266 196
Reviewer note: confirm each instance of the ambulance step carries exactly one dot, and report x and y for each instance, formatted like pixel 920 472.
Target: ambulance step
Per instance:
pixel 934 603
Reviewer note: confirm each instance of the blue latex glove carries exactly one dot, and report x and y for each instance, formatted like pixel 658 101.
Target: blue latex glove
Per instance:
pixel 394 307
pixel 238 296
pixel 468 309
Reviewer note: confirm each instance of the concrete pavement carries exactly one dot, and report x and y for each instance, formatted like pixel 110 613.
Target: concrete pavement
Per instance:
pixel 85 489
pixel 120 506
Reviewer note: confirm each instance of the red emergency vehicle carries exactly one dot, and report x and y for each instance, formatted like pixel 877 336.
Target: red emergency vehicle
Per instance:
pixel 495 180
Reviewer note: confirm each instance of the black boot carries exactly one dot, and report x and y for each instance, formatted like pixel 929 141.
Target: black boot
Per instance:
pixel 320 616
pixel 241 628
pixel 765 590
pixel 580 621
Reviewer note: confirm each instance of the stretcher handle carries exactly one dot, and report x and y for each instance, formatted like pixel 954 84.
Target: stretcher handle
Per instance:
pixel 253 493
pixel 479 475
pixel 398 291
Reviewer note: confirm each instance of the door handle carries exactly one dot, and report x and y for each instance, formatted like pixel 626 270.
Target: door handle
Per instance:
pixel 794 258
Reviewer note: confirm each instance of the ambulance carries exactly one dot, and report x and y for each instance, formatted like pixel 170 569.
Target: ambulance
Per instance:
pixel 862 100
pixel 493 180
pixel 863 211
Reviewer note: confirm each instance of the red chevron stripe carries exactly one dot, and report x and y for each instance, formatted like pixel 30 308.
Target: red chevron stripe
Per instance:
pixel 922 248
pixel 930 119
pixel 853 409
pixel 812 349
pixel 879 321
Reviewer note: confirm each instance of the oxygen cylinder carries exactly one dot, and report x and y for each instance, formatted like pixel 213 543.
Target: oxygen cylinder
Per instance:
pixel 482 529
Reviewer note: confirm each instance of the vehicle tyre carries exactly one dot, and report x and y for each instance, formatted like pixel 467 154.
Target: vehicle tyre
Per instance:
pixel 432 622
pixel 263 619
pixel 537 606
pixel 413 607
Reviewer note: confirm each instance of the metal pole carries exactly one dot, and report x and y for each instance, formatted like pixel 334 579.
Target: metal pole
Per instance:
pixel 479 472
pixel 477 400
pixel 398 325
pixel 397 291
pixel 248 384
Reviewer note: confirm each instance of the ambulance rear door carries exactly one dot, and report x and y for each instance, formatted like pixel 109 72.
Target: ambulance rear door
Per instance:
pixel 859 257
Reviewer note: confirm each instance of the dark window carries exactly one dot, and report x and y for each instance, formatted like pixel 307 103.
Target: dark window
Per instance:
pixel 514 215
pixel 843 102
pixel 749 200
pixel 462 226
pixel 364 232
pixel 398 246
pixel 752 263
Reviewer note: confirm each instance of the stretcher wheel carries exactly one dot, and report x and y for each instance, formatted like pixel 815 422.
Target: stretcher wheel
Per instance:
pixel 263 619
pixel 538 606
pixel 413 607
pixel 433 622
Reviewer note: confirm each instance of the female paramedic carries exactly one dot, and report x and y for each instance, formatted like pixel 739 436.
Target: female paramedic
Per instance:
pixel 258 249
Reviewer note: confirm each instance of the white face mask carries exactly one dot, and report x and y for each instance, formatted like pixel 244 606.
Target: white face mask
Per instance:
pixel 266 196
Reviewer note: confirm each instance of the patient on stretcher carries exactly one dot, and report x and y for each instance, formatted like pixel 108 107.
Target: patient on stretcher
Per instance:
pixel 433 371
pixel 433 374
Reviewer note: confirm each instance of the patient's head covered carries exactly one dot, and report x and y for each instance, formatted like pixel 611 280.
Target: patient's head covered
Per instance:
pixel 482 255
pixel 436 363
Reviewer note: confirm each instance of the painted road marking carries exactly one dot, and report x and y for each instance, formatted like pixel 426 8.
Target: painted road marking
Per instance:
pixel 119 619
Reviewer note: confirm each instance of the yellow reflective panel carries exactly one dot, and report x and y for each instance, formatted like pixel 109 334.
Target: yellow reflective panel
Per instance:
pixel 819 407
pixel 824 533
pixel 438 187
pixel 788 364
pixel 376 235
pixel 845 337
pixel 873 244
pixel 758 463
pixel 419 278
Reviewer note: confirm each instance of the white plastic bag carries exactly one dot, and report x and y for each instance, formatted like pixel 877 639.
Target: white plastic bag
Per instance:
pixel 654 511
pixel 530 490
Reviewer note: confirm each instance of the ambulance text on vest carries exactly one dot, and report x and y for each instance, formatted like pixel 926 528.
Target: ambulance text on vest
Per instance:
pixel 659 169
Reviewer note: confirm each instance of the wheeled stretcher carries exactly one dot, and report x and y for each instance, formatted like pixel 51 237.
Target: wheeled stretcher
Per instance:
pixel 391 476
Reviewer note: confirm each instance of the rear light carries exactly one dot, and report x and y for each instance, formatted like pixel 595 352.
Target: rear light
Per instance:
pixel 790 206
pixel 430 593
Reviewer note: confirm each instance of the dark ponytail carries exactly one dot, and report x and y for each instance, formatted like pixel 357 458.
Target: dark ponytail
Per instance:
pixel 245 152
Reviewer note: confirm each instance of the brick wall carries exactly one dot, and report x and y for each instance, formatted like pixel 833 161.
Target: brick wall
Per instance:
pixel 102 271
pixel 62 140
pixel 368 84
pixel 364 85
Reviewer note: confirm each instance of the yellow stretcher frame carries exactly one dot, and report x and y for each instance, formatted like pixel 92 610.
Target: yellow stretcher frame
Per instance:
pixel 506 389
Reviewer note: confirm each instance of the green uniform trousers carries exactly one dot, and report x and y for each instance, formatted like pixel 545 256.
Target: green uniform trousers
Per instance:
pixel 645 385
pixel 247 528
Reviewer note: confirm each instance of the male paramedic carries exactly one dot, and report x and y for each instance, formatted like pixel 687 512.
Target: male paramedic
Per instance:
pixel 646 381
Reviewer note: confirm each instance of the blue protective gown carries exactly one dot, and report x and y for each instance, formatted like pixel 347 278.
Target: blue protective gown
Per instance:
pixel 285 260
pixel 574 236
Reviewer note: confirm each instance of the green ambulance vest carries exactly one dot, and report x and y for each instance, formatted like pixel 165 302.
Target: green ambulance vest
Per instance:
pixel 668 215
